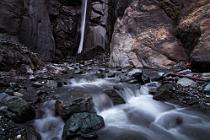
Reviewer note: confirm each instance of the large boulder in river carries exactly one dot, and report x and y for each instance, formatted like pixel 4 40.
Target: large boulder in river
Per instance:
pixel 80 124
pixel 165 92
pixel 20 108
pixel 144 37
pixel 115 96
pixel 79 105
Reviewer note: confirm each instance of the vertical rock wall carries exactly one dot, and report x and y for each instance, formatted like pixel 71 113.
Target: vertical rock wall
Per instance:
pixel 36 30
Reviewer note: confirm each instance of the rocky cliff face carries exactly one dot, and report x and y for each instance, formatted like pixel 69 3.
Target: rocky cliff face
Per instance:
pixel 52 28
pixel 101 19
pixel 147 33
pixel 158 34
pixel 35 30
pixel 194 30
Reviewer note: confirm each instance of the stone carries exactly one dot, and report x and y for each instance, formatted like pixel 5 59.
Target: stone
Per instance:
pixel 13 56
pixel 35 29
pixel 11 12
pixel 134 72
pixel 185 82
pixel 22 110
pixel 83 104
pixel 144 37
pixel 194 31
pixel 207 88
pixel 164 92
pixel 82 123
pixel 18 94
pixel 71 2
pixel 51 84
pixel 115 97
pixel 37 84
pixel 25 69
pixel 13 131
pixel 65 28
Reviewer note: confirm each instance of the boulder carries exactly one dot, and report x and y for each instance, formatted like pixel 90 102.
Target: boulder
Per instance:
pixel 207 88
pixel 76 106
pixel 115 96
pixel 185 82
pixel 82 123
pixel 164 92
pixel 13 56
pixel 16 105
pixel 144 37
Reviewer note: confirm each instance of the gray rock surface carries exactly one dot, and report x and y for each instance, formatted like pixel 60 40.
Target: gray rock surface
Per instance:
pixel 82 123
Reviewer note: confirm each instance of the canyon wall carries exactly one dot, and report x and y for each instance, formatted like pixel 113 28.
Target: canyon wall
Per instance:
pixel 159 34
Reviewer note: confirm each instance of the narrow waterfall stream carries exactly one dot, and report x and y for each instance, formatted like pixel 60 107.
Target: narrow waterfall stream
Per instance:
pixel 49 126
pixel 140 118
pixel 83 24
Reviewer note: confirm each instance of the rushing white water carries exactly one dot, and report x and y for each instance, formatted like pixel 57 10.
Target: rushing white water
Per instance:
pixel 144 118
pixel 84 83
pixel 140 118
pixel 83 25
pixel 49 126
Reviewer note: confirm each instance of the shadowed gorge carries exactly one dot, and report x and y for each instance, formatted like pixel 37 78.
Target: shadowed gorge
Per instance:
pixel 104 69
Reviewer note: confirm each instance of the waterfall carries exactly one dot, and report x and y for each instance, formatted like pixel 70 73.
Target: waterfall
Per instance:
pixel 49 126
pixel 83 24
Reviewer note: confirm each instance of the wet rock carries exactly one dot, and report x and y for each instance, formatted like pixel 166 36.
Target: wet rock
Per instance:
pixel 185 82
pixel 76 106
pixel 4 110
pixel 51 84
pixel 78 71
pixel 82 123
pixel 37 84
pixel 139 76
pixel 22 110
pixel 115 97
pixel 18 94
pixel 153 86
pixel 164 92
pixel 135 72
pixel 207 88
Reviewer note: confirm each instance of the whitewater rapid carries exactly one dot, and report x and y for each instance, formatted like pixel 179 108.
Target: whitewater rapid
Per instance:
pixel 83 25
pixel 140 118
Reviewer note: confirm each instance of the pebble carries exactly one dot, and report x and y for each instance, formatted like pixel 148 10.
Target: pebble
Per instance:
pixel 18 94
pixel 18 137
pixel 37 84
